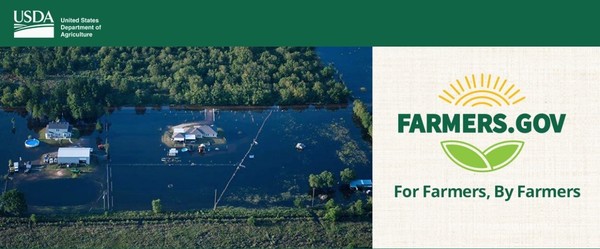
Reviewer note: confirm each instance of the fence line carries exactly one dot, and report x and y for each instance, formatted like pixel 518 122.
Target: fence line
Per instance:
pixel 173 164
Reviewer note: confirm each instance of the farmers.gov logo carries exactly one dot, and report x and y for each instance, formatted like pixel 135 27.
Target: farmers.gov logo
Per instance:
pixel 33 24
pixel 487 92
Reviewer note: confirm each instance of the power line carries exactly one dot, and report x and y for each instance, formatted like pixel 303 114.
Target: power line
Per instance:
pixel 240 164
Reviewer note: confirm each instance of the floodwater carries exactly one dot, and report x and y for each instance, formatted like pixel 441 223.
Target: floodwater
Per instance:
pixel 276 173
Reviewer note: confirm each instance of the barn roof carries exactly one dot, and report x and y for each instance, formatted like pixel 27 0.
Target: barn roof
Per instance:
pixel 74 152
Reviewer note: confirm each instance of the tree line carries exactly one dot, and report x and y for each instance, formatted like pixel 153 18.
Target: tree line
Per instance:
pixel 79 82
pixel 364 116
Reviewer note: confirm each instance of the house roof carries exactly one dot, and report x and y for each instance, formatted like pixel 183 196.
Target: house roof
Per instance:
pixel 58 126
pixel 177 135
pixel 74 152
pixel 194 131
pixel 206 129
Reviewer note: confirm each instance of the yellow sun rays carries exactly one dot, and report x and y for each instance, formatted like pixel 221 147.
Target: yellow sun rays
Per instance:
pixel 484 90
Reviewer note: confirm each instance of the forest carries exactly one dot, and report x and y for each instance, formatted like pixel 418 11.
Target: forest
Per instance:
pixel 80 83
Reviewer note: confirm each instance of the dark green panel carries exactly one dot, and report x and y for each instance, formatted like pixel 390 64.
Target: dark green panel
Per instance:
pixel 320 23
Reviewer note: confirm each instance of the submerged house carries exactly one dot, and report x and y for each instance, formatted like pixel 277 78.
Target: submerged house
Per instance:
pixel 58 130
pixel 192 133
pixel 207 131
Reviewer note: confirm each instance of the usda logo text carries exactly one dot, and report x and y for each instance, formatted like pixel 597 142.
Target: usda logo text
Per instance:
pixel 33 24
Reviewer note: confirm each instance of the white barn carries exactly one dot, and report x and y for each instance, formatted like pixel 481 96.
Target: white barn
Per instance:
pixel 73 155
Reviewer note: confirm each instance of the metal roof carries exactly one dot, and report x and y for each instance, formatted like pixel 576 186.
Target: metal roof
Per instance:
pixel 206 129
pixel 59 126
pixel 361 183
pixel 74 152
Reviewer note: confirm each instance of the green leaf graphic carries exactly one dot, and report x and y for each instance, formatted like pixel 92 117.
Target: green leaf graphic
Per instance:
pixel 471 158
pixel 466 155
pixel 503 153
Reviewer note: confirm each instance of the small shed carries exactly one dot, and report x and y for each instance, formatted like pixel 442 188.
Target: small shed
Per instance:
pixel 74 155
pixel 172 152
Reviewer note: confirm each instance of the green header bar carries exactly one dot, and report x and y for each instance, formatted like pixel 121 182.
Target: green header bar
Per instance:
pixel 307 23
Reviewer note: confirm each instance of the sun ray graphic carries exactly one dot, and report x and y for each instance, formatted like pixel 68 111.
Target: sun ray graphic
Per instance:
pixel 485 90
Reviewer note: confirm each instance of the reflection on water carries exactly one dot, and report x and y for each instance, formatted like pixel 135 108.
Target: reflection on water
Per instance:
pixel 60 192
pixel 276 167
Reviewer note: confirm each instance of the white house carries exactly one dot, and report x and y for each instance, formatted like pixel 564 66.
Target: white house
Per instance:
pixel 207 131
pixel 58 130
pixel 192 133
pixel 74 155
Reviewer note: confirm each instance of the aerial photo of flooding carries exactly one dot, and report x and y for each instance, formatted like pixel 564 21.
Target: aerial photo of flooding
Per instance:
pixel 186 147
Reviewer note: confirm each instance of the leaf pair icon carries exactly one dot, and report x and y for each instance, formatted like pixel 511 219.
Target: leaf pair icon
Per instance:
pixel 493 158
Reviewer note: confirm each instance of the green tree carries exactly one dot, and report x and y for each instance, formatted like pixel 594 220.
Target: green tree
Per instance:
pixel 156 206
pixel 313 180
pixel 358 208
pixel 98 126
pixel 33 219
pixel 347 175
pixel 330 204
pixel 326 179
pixel 118 76
pixel 369 205
pixel 362 114
pixel 251 221
pixel 333 213
pixel 298 202
pixel 322 180
pixel 13 202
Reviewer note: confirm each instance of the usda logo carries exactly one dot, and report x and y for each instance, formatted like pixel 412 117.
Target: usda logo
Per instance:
pixel 33 24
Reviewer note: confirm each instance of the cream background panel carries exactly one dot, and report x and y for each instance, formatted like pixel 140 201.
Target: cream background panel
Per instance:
pixel 554 80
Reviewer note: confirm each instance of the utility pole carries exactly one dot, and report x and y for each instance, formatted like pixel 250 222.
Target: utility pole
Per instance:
pixel 313 198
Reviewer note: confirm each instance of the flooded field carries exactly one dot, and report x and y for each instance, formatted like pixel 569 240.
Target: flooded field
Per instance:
pixel 274 172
